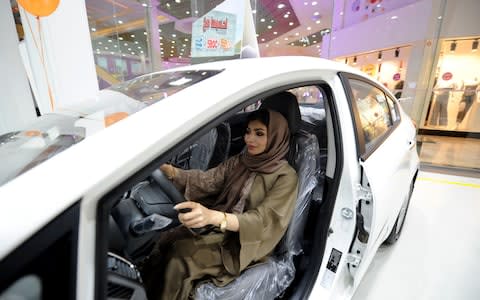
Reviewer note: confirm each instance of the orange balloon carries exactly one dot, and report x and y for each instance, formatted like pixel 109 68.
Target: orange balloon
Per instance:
pixel 39 8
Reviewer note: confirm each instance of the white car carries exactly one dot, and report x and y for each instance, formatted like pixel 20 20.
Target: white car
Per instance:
pixel 78 224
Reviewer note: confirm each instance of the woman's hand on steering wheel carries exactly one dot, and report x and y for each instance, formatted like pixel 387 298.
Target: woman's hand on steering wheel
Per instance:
pixel 198 216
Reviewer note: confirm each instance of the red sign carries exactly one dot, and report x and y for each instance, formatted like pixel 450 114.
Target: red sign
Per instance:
pixel 447 76
pixel 396 76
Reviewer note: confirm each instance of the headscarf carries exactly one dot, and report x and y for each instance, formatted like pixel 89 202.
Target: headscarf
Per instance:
pixel 267 162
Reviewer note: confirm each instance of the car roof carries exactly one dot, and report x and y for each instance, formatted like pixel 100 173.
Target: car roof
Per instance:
pixel 92 167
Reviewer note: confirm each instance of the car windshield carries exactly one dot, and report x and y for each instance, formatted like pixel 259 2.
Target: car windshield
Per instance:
pixel 157 86
pixel 50 134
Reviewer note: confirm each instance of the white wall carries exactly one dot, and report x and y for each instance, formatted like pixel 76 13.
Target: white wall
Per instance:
pixel 411 24
pixel 461 19
pixel 68 55
pixel 16 102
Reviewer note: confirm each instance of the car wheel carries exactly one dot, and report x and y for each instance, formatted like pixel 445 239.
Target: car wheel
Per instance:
pixel 397 228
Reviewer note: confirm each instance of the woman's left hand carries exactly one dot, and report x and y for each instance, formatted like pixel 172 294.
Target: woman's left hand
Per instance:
pixel 198 217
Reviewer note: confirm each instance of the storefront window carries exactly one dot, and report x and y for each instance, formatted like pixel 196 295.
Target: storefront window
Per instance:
pixel 388 66
pixel 454 102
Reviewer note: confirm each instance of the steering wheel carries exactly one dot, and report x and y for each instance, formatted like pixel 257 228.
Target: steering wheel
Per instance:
pixel 172 192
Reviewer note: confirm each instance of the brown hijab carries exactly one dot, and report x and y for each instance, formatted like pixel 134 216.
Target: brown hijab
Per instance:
pixel 267 162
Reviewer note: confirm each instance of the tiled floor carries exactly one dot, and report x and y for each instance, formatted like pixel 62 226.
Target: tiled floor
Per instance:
pixel 449 151
pixel 437 256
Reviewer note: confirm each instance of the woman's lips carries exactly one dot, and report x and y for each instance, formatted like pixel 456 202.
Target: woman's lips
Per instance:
pixel 250 147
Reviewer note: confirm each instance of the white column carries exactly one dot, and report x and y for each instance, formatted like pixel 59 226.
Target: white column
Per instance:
pixel 153 41
pixel 66 67
pixel 16 103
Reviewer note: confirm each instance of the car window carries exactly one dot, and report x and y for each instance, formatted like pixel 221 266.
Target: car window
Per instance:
pixel 311 103
pixel 373 109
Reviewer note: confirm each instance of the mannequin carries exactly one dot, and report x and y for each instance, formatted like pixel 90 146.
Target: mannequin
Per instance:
pixel 442 91
pixel 469 96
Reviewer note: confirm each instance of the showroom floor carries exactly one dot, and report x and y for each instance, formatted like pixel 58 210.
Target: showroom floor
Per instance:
pixel 438 255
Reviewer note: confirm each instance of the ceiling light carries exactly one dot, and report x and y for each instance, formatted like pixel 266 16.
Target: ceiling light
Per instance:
pixel 318 46
pixel 133 53
pixel 266 45
pixel 174 35
pixel 314 35
pixel 115 46
pixel 136 42
pixel 159 30
pixel 291 23
pixel 397 52
pixel 309 28
pixel 341 13
pixel 379 57
pixel 187 12
pixel 186 40
pixel 141 51
pixel 168 5
pixel 285 16
pixel 305 3
pixel 120 38
pixel 316 13
pixel 262 20
pixel 144 4
pixel 394 17
pixel 286 38
pixel 317 21
pixel 112 53
pixel 269 26
pixel 297 34
pixel 109 41
pixel 125 44
pixel 106 48
pixel 94 29
pixel 254 11
pixel 129 49
pixel 277 42
pixel 275 32
pixel 314 3
pixel 178 1
pixel 281 5
pixel 271 21
pixel 132 35
pixel 100 43
pixel 263 40
pixel 120 22
pixel 475 46
pixel 173 42
pixel 453 46
pixel 139 47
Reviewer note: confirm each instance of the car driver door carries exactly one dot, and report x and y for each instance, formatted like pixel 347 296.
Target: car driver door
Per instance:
pixel 384 166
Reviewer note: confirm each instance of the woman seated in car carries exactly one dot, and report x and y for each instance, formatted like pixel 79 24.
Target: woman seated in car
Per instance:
pixel 249 199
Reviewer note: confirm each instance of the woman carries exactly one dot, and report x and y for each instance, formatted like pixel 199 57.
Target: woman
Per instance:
pixel 249 199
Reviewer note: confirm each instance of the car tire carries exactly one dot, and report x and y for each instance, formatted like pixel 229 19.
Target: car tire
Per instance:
pixel 397 228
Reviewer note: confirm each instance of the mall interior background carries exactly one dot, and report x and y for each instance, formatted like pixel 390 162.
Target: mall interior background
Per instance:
pixel 424 51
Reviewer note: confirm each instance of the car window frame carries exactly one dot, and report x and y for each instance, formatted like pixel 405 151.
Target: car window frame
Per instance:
pixel 363 153
pixel 106 203
pixel 24 260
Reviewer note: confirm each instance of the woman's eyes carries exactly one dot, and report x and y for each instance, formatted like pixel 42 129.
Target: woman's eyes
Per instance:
pixel 257 133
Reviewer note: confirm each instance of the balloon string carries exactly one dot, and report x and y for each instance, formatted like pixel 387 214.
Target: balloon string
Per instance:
pixel 40 49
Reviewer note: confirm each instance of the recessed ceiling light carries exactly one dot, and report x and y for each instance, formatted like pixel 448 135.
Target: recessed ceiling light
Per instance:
pixel 94 29
pixel 133 53
pixel 394 17
pixel 309 28
pixel 144 4
pixel 187 12
pixel 109 41
pixel 173 42
pixel 269 26
pixel 263 40
pixel 174 35
pixel 277 42
pixel 141 51
pixel 139 47
pixel 305 3
pixel 286 38
pixel 161 44
pixel 120 38
pixel 317 21
pixel 132 35
pixel 297 34
pixel 98 50
pixel 120 22
pixel 318 46
pixel 314 3
pixel 291 23
pixel 178 1
pixel 186 40
pixel 125 44
pixel 271 21
pixel 136 42
pixel 281 5
pixel 100 43
pixel 316 13
pixel 115 46
pixel 262 20
pixel 168 5
pixel 285 16
pixel 275 32
pixel 129 49
pixel 106 48
pixel 266 45
pixel 112 52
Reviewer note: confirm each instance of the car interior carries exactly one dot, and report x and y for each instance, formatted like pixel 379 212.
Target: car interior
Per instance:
pixel 143 206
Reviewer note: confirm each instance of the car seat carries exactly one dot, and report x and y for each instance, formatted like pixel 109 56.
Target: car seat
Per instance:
pixel 270 279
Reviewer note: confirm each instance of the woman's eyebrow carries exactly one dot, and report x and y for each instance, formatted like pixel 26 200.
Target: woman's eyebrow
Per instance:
pixel 258 129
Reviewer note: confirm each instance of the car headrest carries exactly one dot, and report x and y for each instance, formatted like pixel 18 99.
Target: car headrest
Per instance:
pixel 286 104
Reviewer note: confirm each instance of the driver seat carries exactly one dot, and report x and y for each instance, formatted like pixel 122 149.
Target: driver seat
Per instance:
pixel 270 279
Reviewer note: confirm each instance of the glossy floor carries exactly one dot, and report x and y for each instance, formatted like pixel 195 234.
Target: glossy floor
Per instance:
pixel 449 151
pixel 437 255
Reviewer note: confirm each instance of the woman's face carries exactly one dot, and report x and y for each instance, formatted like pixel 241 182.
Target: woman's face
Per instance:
pixel 256 137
